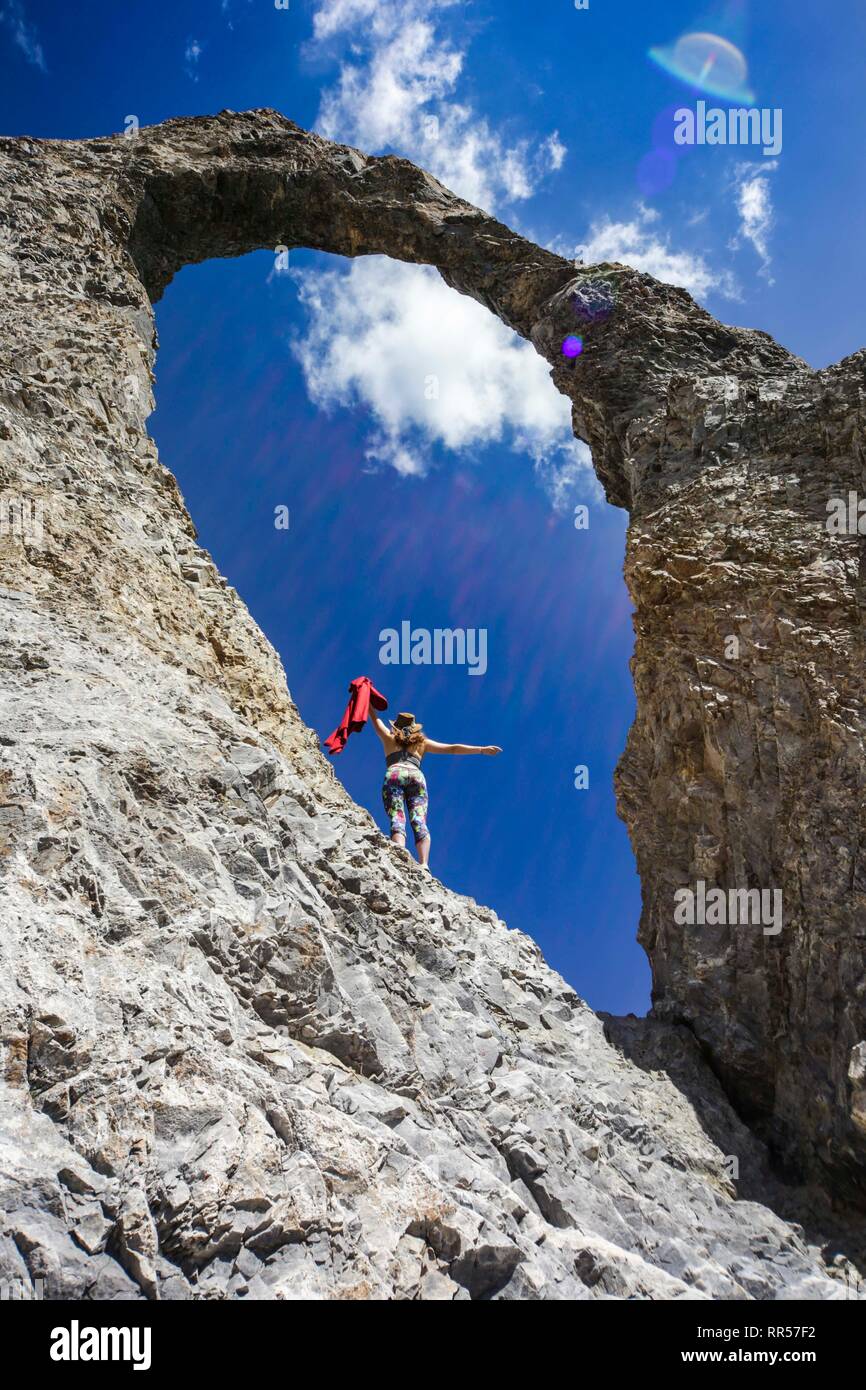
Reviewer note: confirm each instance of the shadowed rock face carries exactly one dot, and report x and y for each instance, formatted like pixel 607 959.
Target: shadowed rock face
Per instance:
pixel 248 1048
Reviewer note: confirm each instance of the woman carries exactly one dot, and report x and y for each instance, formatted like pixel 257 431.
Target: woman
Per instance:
pixel 405 744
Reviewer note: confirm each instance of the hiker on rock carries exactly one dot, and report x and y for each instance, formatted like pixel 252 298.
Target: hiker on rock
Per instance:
pixel 405 744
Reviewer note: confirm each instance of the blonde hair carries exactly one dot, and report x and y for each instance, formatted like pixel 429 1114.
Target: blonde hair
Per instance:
pixel 408 733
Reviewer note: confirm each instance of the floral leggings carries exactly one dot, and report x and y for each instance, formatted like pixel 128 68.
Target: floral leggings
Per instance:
pixel 406 780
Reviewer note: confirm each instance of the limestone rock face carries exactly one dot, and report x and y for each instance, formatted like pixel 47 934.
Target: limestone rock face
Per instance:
pixel 248 1048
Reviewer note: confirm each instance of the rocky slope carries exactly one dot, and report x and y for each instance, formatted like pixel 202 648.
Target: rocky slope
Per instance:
pixel 248 1049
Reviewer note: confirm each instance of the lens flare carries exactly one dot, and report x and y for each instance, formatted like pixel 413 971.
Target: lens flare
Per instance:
pixel 572 346
pixel 656 172
pixel 708 63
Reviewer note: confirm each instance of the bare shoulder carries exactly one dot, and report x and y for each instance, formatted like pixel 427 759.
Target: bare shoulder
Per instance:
pixel 384 733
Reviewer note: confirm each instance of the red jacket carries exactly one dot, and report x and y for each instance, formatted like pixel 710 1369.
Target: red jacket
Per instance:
pixel 362 694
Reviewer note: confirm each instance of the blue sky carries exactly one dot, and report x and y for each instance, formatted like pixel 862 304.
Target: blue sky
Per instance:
pixel 424 457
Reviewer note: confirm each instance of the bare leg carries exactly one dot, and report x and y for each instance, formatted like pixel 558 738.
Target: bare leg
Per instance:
pixel 398 838
pixel 423 848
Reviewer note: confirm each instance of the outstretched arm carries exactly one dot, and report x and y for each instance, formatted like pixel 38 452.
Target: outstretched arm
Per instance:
pixel 490 749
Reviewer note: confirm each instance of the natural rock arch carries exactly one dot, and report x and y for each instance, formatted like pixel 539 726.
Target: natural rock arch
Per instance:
pixel 744 771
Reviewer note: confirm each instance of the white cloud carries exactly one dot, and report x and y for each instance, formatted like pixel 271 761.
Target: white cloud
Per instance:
pixel 637 243
pixel 396 90
pixel 192 53
pixel 24 34
pixel 334 15
pixel 568 477
pixel 556 151
pixel 377 102
pixel 755 207
pixel 432 367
